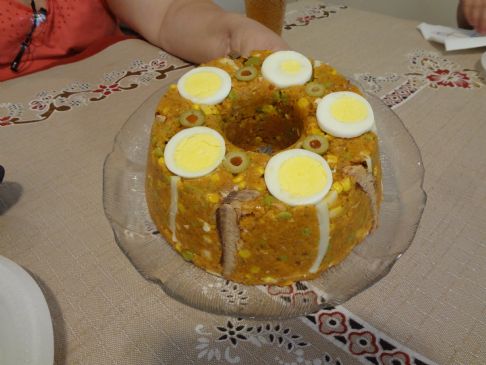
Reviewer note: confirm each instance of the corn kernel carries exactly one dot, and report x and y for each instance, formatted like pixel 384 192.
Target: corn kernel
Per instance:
pixel 181 208
pixel 161 161
pixel 210 109
pixel 336 212
pixel 269 279
pixel 331 159
pixel 260 170
pixel 242 185
pixel 196 106
pixel 239 178
pixel 337 187
pixel 315 130
pixel 254 269
pixel 165 110
pixel 303 103
pixel 244 253
pixel 333 72
pixel 268 109
pixel 375 170
pixel 361 233
pixel 346 183
pixel 214 178
pixel 261 188
pixel 173 86
pixel 213 198
pixel 178 247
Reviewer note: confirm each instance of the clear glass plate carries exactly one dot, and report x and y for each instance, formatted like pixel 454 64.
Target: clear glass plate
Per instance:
pixel 126 209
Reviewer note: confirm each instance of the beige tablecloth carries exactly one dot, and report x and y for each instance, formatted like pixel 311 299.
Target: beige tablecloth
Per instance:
pixel 57 126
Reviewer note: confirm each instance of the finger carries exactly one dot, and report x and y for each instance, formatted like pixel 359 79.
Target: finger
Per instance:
pixel 480 26
pixel 471 14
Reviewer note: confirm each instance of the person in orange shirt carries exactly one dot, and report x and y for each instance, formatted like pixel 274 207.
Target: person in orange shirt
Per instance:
pixel 471 14
pixel 38 34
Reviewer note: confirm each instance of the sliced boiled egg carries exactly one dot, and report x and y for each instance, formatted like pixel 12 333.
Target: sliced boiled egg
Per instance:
pixel 345 114
pixel 194 152
pixel 287 68
pixel 298 177
pixel 205 85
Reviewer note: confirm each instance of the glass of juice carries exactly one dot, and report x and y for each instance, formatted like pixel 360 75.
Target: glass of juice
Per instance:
pixel 270 13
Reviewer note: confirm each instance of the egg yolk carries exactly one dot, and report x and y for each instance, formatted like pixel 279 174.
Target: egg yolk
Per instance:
pixel 291 67
pixel 197 152
pixel 302 177
pixel 349 110
pixel 202 84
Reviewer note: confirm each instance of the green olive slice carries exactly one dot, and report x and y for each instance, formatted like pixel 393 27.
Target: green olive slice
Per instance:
pixel 315 89
pixel 236 162
pixel 253 61
pixel 316 143
pixel 192 118
pixel 246 73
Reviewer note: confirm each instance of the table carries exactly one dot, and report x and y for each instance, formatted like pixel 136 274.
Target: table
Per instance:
pixel 57 126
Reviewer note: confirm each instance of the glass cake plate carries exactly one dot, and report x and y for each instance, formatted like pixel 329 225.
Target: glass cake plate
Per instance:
pixel 126 209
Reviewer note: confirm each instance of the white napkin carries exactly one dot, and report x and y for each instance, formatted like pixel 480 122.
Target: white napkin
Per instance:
pixel 453 38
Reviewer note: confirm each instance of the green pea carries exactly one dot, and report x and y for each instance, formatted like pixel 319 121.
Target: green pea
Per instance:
pixel 253 61
pixel 232 95
pixel 280 96
pixel 158 152
pixel 187 255
pixel 268 200
pixel 284 216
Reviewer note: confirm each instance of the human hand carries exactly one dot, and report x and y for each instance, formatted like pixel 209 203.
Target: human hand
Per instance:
pixel 247 35
pixel 195 30
pixel 473 13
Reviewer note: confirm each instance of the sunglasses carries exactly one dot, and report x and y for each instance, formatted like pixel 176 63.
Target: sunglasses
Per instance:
pixel 37 18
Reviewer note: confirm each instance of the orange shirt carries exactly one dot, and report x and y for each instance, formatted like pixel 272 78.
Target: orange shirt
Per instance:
pixel 72 30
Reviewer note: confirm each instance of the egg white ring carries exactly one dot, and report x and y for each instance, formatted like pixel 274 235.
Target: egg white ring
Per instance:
pixel 218 97
pixel 330 125
pixel 178 137
pixel 272 72
pixel 272 180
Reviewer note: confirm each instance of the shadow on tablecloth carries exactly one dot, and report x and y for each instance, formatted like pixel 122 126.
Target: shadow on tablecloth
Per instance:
pixel 10 193
pixel 58 325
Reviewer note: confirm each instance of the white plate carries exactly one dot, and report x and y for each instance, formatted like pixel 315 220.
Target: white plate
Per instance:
pixel 483 60
pixel 26 335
